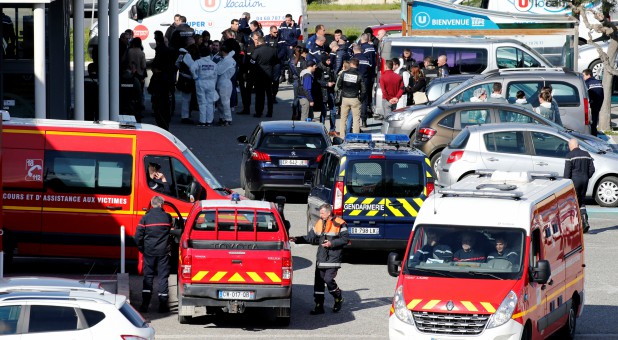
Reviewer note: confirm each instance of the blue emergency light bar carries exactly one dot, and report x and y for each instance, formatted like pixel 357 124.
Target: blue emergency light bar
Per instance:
pixel 377 138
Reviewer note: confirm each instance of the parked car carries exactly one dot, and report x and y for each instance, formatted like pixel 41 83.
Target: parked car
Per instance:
pixel 281 156
pixel 569 91
pixel 38 283
pixel 525 147
pixel 439 86
pixel 53 313
pixel 588 57
pixel 444 122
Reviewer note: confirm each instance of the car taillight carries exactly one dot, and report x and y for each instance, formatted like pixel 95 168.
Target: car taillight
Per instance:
pixel 454 156
pixel 425 134
pixel 338 199
pixel 260 156
pixel 430 186
pixel 132 337
pixel 186 267
pixel 586 110
pixel 287 268
pixel 319 158
pixel 377 156
pixel 300 25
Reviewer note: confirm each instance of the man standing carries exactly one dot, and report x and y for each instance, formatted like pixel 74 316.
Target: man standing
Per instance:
pixel 320 31
pixel 496 95
pixel 182 33
pixel 352 87
pixel 152 240
pixel 289 32
pixel 226 68
pixel 579 167
pixel 330 234
pixel 442 67
pixel 305 86
pixel 170 30
pixel 205 75
pixel 316 51
pixel 263 60
pixel 595 92
pixel 274 41
pixel 391 85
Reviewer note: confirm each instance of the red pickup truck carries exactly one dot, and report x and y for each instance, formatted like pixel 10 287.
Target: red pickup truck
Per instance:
pixel 234 254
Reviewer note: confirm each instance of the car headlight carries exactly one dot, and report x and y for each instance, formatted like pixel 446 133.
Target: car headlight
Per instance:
pixel 401 309
pixel 397 116
pixel 504 312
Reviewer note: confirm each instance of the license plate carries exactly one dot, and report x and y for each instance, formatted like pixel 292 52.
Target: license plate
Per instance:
pixel 236 295
pixel 297 162
pixel 364 231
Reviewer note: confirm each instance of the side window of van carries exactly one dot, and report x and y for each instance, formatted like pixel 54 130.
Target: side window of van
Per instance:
pixel 513 57
pixel 180 181
pixel 535 247
pixel 77 172
pixel 148 8
pixel 463 60
pixel 531 90
pixel 565 94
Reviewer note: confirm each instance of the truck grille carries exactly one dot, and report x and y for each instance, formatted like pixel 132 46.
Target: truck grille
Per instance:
pixel 445 323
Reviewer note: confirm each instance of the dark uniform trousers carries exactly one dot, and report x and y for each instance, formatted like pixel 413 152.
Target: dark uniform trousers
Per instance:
pixel 159 266
pixel 322 277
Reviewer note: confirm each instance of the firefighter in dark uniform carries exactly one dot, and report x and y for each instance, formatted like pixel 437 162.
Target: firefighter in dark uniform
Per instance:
pixel 579 167
pixel 152 240
pixel 330 234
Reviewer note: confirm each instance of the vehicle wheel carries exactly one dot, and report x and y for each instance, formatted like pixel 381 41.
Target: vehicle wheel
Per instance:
pixel 435 162
pixel 284 321
pixel 606 193
pixel 568 330
pixel 597 69
pixel 182 319
pixel 527 333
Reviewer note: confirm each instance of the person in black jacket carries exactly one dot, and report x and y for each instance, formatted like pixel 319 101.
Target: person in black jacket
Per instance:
pixel 263 60
pixel 181 35
pixel 274 41
pixel 330 234
pixel 152 240
pixel 579 167
pixel 596 94
pixel 352 86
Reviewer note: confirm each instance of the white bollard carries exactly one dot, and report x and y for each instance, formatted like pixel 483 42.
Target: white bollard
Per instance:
pixel 122 249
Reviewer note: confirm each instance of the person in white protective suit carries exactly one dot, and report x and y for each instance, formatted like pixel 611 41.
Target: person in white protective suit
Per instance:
pixel 226 68
pixel 205 75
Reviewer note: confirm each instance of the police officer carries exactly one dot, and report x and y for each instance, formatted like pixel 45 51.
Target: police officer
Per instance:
pixel 596 94
pixel 331 235
pixel 152 239
pixel 579 167
pixel 264 59
pixel 352 87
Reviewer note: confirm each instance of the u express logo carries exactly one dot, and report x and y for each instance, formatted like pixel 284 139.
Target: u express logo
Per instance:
pixel 210 5
pixel 523 5
pixel 422 19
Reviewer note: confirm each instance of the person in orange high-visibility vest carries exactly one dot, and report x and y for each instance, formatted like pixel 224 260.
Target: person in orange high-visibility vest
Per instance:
pixel 330 234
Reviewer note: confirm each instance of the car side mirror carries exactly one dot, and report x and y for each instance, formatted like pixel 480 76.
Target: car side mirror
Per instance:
pixel 541 272
pixel 242 139
pixel 337 140
pixel 133 13
pixel 393 264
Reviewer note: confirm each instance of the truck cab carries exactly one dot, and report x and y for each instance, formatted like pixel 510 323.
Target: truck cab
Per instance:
pixel 234 254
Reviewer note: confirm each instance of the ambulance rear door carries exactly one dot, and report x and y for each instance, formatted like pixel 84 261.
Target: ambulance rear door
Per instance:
pixel 88 193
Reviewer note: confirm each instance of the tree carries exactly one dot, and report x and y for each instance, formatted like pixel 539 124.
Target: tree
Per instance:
pixel 609 29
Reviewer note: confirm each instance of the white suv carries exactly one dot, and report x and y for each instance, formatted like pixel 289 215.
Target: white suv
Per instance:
pixel 67 310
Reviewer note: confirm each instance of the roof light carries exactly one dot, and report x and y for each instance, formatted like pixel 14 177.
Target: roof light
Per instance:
pixel 127 121
pixel 235 197
pixel 377 137
pixel 6 116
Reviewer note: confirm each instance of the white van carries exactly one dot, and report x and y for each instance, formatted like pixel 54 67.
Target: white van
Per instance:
pixel 495 256
pixel 464 55
pixel 211 15
pixel 538 7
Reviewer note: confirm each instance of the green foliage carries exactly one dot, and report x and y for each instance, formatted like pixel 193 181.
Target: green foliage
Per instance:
pixel 86 39
pixel 352 33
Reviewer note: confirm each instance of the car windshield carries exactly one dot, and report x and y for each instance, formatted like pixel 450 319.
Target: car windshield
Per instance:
pixel 201 169
pixel 466 252
pixel 228 220
pixel 296 141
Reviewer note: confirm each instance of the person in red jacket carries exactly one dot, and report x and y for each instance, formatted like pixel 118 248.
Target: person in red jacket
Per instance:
pixel 392 88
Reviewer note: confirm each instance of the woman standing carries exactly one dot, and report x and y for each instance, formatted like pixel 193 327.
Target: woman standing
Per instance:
pixel 417 82
pixel 545 108
pixel 136 59
pixel 296 64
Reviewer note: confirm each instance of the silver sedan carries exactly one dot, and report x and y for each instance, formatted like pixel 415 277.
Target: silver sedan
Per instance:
pixel 524 147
